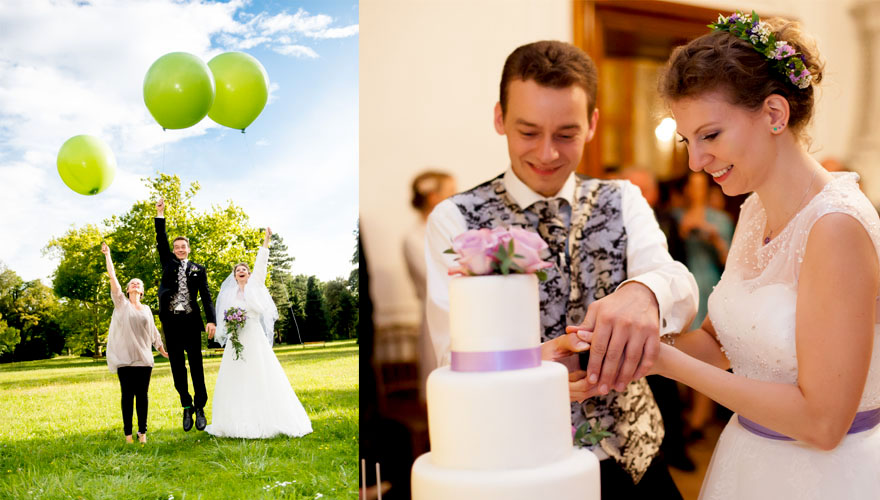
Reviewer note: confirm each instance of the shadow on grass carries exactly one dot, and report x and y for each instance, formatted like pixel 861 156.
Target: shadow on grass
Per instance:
pixel 196 465
pixel 52 364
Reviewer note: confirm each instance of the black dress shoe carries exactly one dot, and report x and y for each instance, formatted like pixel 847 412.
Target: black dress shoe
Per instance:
pixel 201 422
pixel 187 419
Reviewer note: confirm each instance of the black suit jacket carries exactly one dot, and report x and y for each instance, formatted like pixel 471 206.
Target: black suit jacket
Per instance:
pixel 196 279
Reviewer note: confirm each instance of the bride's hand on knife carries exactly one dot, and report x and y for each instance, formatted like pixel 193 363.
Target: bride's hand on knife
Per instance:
pixel 573 342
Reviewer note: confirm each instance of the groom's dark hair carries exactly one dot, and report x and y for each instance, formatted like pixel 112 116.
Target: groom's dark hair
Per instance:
pixel 553 64
pixel 184 238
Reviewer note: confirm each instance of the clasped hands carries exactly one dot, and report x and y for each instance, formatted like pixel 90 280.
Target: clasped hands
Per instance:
pixel 621 331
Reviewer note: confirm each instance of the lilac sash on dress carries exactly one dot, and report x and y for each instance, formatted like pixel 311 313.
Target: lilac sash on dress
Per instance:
pixel 864 420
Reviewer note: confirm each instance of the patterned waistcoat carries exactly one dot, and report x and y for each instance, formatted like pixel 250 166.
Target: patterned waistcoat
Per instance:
pixel 595 266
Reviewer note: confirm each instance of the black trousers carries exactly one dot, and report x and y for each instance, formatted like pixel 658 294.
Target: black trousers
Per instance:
pixel 183 334
pixel 656 484
pixel 135 383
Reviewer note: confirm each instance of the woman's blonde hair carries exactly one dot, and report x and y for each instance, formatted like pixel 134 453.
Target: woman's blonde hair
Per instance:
pixel 128 286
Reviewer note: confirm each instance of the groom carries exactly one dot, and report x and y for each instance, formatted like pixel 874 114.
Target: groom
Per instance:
pixel 611 270
pixel 181 319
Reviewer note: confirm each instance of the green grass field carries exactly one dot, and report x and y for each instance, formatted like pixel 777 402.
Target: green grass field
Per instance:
pixel 61 435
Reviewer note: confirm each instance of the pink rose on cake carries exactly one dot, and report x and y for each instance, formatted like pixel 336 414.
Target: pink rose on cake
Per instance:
pixel 475 250
pixel 499 251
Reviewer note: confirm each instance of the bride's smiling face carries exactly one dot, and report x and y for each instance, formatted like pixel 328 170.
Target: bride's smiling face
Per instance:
pixel 241 273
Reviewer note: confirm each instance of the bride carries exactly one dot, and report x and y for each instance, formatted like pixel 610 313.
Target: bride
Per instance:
pixel 252 397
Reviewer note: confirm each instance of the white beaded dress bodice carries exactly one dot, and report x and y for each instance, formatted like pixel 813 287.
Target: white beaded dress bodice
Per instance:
pixel 753 306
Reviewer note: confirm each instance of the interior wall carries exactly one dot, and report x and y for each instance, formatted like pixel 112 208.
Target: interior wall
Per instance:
pixel 428 85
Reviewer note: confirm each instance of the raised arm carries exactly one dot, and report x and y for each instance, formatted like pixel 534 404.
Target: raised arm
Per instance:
pixel 115 289
pixel 165 255
pixel 262 262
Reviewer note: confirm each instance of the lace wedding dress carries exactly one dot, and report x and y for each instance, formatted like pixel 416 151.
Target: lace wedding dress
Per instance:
pixel 753 311
pixel 252 397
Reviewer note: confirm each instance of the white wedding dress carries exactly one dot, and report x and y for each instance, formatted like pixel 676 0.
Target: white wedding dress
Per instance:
pixel 252 397
pixel 753 311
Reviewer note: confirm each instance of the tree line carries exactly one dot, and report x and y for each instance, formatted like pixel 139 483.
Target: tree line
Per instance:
pixel 37 322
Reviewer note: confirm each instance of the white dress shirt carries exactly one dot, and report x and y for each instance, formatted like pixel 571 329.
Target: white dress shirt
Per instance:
pixel 647 256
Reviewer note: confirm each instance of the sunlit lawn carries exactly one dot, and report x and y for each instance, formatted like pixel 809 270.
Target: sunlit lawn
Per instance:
pixel 61 435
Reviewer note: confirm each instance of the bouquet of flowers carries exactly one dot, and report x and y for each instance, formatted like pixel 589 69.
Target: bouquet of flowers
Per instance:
pixel 499 251
pixel 235 318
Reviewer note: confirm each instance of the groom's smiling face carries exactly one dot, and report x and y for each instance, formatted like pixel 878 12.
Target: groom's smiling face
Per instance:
pixel 181 249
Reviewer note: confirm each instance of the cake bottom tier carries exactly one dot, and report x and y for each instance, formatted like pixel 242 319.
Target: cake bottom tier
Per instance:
pixel 575 477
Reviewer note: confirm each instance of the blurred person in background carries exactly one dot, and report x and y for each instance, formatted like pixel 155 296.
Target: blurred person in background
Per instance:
pixel 428 189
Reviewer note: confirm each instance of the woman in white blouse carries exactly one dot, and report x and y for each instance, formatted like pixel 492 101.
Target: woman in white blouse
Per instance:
pixel 129 347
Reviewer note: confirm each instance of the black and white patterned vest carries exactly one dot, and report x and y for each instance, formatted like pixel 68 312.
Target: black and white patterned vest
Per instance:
pixel 595 266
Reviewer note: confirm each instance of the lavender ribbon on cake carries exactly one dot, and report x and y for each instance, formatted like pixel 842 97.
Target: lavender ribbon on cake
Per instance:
pixel 495 361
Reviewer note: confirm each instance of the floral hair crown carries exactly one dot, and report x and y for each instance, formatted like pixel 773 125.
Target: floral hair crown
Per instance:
pixel 751 29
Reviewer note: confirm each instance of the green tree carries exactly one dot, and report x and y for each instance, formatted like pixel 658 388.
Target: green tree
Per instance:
pixel 30 311
pixel 279 264
pixel 9 337
pixel 346 318
pixel 317 327
pixel 79 278
pixel 342 308
pixel 219 238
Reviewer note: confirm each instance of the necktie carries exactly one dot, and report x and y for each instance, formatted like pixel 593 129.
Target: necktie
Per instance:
pixel 553 223
pixel 181 301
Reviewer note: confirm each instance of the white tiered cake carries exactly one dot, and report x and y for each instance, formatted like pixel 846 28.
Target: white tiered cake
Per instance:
pixel 498 417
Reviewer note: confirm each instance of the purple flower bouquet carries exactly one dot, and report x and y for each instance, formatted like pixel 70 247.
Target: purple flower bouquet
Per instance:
pixel 235 318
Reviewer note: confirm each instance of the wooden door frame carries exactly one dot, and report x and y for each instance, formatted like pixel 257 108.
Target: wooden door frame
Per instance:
pixel 593 17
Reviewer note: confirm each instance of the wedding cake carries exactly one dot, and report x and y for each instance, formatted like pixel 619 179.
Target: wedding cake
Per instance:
pixel 498 417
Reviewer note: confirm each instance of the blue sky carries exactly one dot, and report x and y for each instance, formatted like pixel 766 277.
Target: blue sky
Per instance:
pixel 77 67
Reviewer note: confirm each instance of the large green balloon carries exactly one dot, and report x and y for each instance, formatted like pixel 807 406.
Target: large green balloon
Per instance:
pixel 242 89
pixel 86 164
pixel 178 90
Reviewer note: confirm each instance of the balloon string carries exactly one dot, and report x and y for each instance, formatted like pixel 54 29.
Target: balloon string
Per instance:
pixel 163 157
pixel 248 146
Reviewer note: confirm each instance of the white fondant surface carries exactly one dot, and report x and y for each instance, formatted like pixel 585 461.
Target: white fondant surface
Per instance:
pixel 574 477
pixel 496 420
pixel 494 313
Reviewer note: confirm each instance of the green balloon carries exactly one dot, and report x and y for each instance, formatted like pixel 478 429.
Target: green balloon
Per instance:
pixel 86 164
pixel 178 90
pixel 242 89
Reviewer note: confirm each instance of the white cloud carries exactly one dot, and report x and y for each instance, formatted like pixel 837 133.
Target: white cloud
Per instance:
pixel 295 50
pixel 262 143
pixel 345 32
pixel 282 29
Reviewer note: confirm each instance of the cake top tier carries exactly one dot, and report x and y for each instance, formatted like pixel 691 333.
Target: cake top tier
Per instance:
pixel 494 313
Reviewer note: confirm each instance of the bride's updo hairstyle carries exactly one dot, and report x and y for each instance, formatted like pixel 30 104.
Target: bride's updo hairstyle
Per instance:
pixel 241 264
pixel 721 61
